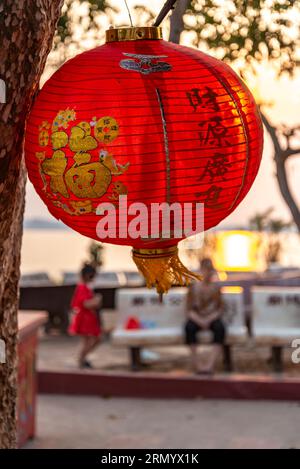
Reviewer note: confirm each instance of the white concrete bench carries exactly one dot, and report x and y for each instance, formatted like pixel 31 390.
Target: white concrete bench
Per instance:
pixel 160 324
pixel 276 319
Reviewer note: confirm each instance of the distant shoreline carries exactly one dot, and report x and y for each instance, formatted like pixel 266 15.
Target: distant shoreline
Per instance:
pixel 43 224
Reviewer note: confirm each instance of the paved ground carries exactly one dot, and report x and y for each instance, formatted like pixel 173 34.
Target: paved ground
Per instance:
pixel 92 422
pixel 60 352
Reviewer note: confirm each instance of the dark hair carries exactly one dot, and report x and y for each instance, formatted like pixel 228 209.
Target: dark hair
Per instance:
pixel 206 263
pixel 88 271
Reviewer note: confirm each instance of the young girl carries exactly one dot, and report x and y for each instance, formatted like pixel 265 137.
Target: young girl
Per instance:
pixel 85 322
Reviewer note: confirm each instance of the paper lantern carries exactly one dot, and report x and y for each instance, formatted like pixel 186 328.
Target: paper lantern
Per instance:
pixel 146 121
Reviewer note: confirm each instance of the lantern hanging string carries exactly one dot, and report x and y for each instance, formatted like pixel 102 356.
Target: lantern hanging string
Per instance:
pixel 129 14
pixel 168 6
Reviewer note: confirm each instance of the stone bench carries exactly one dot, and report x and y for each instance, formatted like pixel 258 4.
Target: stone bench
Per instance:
pixel 144 322
pixel 276 319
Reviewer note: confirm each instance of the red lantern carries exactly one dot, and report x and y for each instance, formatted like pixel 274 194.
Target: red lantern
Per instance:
pixel 148 121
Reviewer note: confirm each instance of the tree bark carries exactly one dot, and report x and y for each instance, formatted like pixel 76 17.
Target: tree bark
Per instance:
pixel 26 33
pixel 280 157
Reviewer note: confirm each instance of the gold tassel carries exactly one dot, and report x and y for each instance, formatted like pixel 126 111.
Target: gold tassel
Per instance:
pixel 162 268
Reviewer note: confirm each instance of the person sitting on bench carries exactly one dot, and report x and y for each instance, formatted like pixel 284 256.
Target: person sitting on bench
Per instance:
pixel 204 312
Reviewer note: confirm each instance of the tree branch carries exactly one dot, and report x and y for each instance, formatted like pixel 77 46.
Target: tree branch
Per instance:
pixel 176 20
pixel 291 152
pixel 272 132
pixel 280 158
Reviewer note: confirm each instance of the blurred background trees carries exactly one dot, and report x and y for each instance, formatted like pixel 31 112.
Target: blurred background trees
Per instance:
pixel 95 255
pixel 265 222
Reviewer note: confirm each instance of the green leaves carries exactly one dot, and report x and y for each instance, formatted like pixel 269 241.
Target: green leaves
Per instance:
pixel 88 19
pixel 253 30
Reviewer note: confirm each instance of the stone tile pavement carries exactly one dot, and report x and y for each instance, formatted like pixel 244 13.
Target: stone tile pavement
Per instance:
pixel 93 422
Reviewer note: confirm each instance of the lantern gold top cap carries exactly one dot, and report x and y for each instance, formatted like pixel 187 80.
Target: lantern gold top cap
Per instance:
pixel 133 34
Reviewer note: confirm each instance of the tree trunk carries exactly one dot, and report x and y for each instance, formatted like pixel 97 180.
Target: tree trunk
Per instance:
pixel 176 21
pixel 26 34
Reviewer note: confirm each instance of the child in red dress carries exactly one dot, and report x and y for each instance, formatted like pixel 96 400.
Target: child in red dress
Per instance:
pixel 85 322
